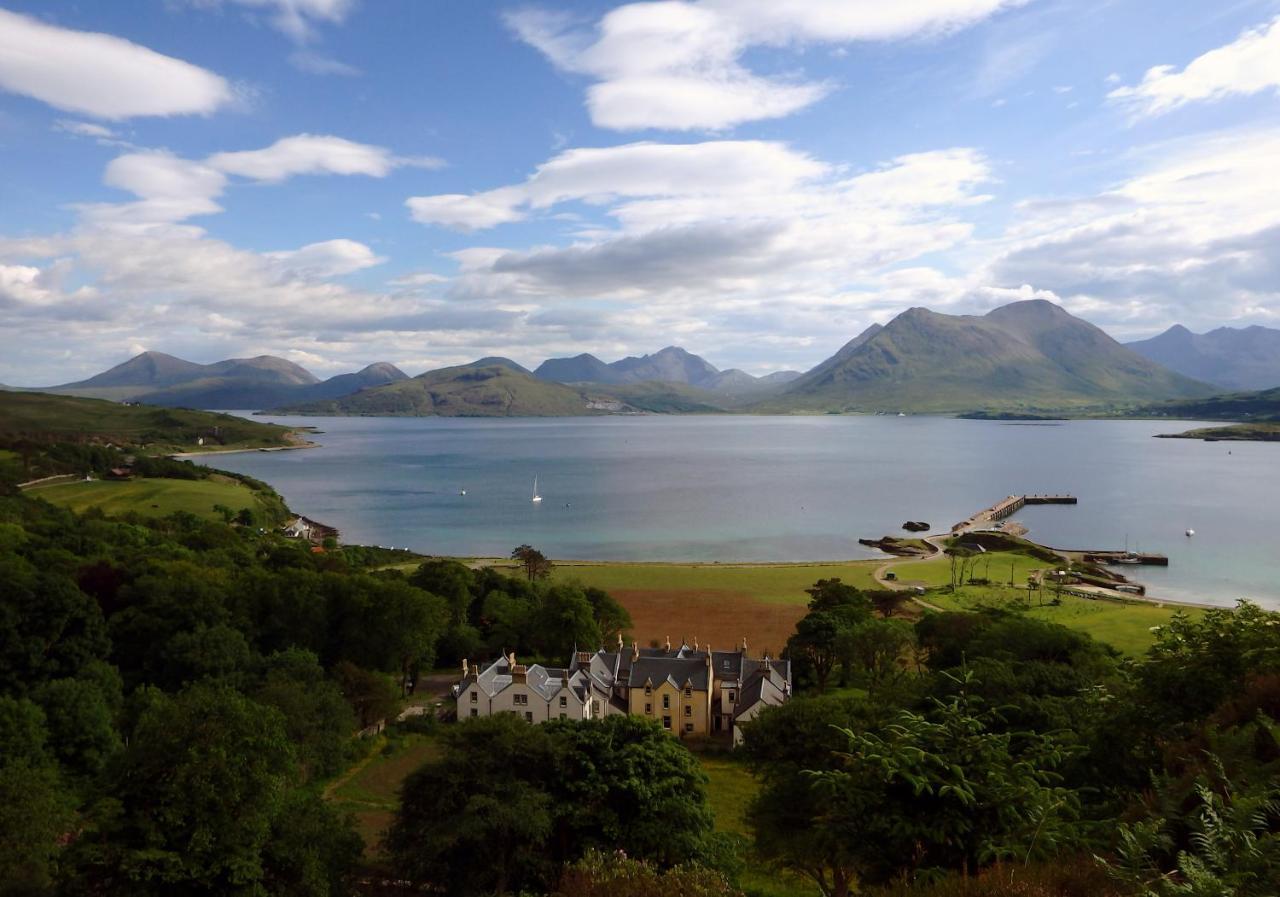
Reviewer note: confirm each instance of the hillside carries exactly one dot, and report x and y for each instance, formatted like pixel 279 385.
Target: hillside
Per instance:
pixel 37 418
pixel 1233 358
pixel 1027 355
pixel 472 390
pixel 154 378
pixel 1240 406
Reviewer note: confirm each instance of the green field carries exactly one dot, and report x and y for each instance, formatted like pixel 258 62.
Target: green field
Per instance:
pixel 730 789
pixel 1125 626
pixel 771 583
pixel 371 789
pixel 152 497
pixel 994 566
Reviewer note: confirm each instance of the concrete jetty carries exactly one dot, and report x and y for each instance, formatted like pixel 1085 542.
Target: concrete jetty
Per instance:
pixel 1010 505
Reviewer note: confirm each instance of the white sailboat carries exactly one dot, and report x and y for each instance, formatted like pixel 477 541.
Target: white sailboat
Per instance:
pixel 536 497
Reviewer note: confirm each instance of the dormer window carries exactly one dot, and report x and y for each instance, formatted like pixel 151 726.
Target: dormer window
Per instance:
pixel 648 689
pixel 688 691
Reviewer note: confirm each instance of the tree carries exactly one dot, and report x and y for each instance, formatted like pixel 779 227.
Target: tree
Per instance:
pixel 534 562
pixel 483 796
pixel 36 810
pixel 887 602
pixel 313 851
pixel 612 618
pixel 936 790
pixel 815 643
pixel 565 619
pixel 317 719
pixel 193 798
pixel 371 695
pixel 832 595
pixel 451 580
pixel 623 783
pixel 81 724
pixel 877 647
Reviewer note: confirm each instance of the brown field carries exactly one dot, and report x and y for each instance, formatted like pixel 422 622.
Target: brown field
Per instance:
pixel 718 617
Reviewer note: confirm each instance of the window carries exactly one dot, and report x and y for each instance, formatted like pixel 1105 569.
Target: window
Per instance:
pixel 475 712
pixel 688 692
pixel 520 699
pixel 648 690
pixel 648 708
pixel 732 697
pixel 688 710
pixel 595 708
pixel 474 697
pixel 528 717
pixel 564 702
pixel 666 702
pixel 666 722
pixel 688 727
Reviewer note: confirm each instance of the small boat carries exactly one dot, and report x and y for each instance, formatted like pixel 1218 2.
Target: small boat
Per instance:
pixel 1129 559
pixel 1190 533
pixel 462 492
pixel 536 497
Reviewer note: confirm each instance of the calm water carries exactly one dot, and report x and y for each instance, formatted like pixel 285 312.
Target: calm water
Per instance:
pixel 786 488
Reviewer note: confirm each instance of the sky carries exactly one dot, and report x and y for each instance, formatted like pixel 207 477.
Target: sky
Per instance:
pixel 425 182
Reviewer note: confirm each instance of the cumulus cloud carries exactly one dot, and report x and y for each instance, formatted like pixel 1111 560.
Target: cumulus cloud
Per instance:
pixel 101 75
pixel 676 65
pixel 600 175
pixel 307 154
pixel 1248 65
pixel 1190 237
pixel 331 258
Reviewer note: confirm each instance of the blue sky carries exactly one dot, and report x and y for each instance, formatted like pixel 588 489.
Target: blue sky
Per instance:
pixel 427 181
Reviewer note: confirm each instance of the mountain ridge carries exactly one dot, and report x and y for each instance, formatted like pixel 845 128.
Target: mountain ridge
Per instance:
pixel 1234 358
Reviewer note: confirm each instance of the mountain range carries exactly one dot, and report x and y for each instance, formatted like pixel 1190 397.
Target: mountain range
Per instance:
pixel 1234 358
pixel 1030 356
pixel 669 365
pixel 154 378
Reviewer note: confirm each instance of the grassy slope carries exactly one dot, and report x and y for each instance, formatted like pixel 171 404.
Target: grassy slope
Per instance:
pixel 370 790
pixel 65 418
pixel 152 497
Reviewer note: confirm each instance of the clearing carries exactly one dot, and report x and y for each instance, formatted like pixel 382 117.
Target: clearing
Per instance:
pixel 152 497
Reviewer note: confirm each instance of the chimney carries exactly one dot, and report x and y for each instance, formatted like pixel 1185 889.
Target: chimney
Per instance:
pixel 620 643
pixel 668 644
pixel 465 671
pixel 584 658
pixel 695 643
pixel 635 650
pixel 519 672
pixel 767 665
pixel 744 646
pixel 511 659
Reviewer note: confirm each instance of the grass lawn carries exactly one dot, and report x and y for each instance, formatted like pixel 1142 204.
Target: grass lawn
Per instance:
pixel 994 565
pixel 769 583
pixel 151 497
pixel 370 790
pixel 730 789
pixel 1123 625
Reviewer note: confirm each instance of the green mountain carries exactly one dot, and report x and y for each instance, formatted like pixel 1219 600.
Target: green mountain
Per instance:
pixel 1233 358
pixel 39 418
pixel 673 366
pixel 154 378
pixel 469 390
pixel 1027 355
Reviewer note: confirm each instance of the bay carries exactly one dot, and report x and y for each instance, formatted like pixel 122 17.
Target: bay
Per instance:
pixel 743 488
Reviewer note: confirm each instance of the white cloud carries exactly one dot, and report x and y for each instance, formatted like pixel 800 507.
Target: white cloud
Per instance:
pixel 676 65
pixel 318 64
pixel 101 75
pixel 1190 237
pixel 600 175
pixel 332 258
pixel 169 189
pixel 298 18
pixel 85 129
pixel 307 154
pixel 1248 65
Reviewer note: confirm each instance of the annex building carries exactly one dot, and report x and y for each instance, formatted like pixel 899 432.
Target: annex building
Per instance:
pixel 691 691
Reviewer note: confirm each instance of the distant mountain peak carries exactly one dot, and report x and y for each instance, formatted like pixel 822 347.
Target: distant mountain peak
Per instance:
pixel 1235 358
